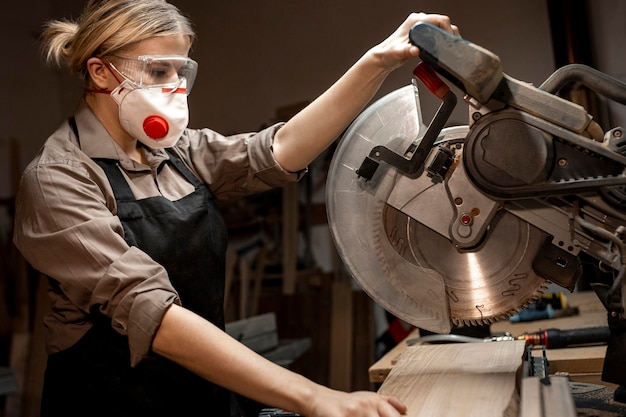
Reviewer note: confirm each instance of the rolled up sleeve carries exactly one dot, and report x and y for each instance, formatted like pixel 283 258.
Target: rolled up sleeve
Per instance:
pixel 65 228
pixel 236 165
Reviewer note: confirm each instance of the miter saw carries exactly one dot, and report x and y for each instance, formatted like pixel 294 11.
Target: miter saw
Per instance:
pixel 451 227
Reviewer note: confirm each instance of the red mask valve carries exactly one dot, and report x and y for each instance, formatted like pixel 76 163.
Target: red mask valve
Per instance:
pixel 155 127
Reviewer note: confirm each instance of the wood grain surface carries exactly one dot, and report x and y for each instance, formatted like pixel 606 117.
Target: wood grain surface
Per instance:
pixel 460 379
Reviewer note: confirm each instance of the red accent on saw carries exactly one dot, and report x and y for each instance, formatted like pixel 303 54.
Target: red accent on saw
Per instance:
pixel 429 77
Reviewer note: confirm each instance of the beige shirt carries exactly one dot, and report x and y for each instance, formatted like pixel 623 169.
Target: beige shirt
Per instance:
pixel 66 227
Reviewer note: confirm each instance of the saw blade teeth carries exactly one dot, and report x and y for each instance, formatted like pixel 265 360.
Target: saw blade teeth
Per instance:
pixel 462 322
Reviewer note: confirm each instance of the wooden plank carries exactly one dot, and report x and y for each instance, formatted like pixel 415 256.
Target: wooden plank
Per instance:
pixel 530 401
pixel 5 316
pixel 259 333
pixel 340 373
pixel 231 266
pixel 258 275
pixel 460 379
pixel 21 334
pixel 288 350
pixel 20 349
pixel 244 286
pixel 363 342
pixel 38 356
pixel 547 399
pixel 580 360
pixel 8 382
pixel 557 398
pixel 381 368
pixel 290 237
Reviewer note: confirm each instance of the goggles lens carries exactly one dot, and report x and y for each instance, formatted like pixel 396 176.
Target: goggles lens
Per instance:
pixel 157 71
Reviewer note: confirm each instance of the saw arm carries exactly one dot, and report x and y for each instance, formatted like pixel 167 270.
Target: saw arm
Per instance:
pixel 466 225
pixel 516 120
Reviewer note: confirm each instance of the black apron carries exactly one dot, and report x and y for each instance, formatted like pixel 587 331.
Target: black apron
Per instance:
pixel 93 377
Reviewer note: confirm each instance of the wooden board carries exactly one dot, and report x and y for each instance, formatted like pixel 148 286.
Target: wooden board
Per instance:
pixel 460 379
pixel 341 336
pixel 259 333
pixel 584 364
pixel 380 370
pixel 539 398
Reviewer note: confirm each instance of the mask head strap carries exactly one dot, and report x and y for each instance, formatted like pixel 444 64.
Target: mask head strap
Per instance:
pixel 110 67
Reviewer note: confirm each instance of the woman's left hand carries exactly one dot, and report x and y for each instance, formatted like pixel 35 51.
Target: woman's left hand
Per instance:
pixel 308 133
pixel 394 51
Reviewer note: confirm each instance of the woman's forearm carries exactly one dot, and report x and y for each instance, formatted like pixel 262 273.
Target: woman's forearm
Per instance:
pixel 204 349
pixel 313 129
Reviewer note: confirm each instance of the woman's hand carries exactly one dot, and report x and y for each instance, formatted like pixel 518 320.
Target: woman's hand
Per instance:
pixel 394 51
pixel 310 132
pixel 200 346
pixel 356 404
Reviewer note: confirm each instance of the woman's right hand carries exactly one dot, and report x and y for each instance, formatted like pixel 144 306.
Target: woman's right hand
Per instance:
pixel 334 403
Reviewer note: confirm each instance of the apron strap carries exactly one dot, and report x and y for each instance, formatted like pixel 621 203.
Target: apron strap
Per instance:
pixel 119 184
pixel 72 122
pixel 183 168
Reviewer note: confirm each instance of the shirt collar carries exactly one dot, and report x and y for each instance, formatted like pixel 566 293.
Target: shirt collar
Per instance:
pixel 96 142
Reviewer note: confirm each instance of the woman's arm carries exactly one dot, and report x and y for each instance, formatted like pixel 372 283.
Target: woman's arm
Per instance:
pixel 198 345
pixel 201 347
pixel 312 130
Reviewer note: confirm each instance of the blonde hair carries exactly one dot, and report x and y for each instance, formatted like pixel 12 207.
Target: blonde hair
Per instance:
pixel 108 26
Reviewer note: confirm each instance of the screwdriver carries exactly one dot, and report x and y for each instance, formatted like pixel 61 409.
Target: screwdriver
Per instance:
pixel 556 338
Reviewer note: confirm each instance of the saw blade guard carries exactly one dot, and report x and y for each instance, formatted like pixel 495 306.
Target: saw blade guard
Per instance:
pixel 355 211
pixel 406 240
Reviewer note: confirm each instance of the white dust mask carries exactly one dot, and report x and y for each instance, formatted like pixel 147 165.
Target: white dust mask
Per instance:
pixel 156 116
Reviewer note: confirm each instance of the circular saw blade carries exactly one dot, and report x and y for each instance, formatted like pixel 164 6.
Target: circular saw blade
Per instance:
pixel 485 283
pixel 416 273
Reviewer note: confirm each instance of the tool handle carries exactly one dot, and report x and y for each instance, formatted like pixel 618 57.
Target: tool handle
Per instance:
pixel 412 167
pixel 556 338
pixel 472 68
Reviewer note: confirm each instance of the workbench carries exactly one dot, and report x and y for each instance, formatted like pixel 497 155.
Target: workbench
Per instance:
pixel 583 364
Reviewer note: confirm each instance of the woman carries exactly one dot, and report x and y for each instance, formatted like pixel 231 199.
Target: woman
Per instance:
pixel 118 211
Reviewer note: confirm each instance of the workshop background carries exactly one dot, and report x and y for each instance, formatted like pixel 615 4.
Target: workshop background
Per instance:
pixel 259 62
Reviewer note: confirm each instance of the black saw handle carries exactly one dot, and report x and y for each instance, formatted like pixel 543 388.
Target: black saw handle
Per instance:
pixel 412 162
pixel 472 68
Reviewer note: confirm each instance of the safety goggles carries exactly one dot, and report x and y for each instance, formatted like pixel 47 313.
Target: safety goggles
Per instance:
pixel 157 71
